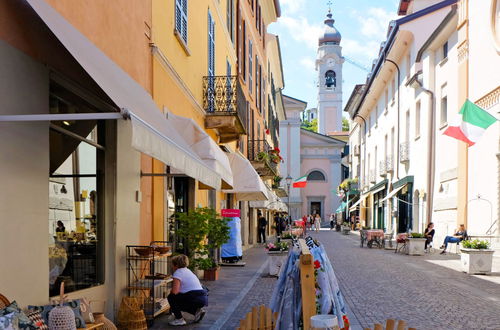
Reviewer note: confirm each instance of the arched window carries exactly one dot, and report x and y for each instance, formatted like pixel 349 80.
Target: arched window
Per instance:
pixel 316 176
pixel 330 79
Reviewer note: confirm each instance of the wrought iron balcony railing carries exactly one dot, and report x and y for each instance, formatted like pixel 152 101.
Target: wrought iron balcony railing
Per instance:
pixel 372 177
pixel 382 168
pixel 404 152
pixel 264 159
pixel 222 95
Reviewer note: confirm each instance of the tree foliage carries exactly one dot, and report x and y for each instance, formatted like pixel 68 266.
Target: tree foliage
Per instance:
pixel 310 125
pixel 345 125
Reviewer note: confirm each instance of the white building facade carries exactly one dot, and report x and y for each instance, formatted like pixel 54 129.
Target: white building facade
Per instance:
pixel 410 173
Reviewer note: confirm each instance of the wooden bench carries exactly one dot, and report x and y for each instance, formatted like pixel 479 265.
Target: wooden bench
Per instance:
pixel 390 324
pixel 260 318
pixel 4 302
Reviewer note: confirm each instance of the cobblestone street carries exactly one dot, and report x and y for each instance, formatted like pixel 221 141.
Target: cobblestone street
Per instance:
pixel 427 291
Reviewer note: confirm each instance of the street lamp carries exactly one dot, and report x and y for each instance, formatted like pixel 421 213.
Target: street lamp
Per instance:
pixel 288 181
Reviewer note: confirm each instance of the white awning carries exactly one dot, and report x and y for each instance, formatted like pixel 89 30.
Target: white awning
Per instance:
pixel 152 134
pixel 392 193
pixel 270 204
pixel 355 205
pixel 204 146
pixel 247 184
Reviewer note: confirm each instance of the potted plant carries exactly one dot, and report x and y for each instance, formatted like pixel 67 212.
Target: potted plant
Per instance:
pixel 346 229
pixel 277 254
pixel 203 232
pixel 416 244
pixel 262 156
pixel 476 256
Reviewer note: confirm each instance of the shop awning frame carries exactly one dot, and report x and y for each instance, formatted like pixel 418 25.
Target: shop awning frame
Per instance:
pixel 152 134
pixel 64 116
pixel 393 193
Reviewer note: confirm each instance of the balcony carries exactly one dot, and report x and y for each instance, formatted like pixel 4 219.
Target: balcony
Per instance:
pixel 263 158
pixel 389 164
pixel 404 152
pixel 225 107
pixel 382 168
pixel 372 177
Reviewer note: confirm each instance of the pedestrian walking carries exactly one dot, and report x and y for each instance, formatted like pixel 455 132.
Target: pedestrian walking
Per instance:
pixel 332 221
pixel 261 227
pixel 277 223
pixel 317 222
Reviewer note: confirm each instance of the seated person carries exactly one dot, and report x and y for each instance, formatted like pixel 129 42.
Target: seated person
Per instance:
pixel 429 234
pixel 187 293
pixel 460 235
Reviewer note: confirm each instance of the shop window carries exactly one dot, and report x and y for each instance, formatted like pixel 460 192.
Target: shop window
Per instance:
pixel 76 217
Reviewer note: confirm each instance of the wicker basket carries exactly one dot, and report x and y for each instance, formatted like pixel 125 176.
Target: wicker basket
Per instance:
pixel 62 318
pixel 4 302
pixel 130 315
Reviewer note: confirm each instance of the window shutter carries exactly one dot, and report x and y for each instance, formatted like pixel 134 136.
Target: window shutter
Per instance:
pixel 211 46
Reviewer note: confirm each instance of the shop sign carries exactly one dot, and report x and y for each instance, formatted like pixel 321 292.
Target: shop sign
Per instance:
pixel 230 213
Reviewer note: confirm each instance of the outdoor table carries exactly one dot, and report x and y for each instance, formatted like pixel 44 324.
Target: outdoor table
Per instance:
pixel 373 236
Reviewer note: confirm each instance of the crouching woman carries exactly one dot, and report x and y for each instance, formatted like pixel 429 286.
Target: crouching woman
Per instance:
pixel 187 294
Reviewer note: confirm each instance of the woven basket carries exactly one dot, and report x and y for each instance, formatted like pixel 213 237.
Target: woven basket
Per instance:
pixel 62 318
pixel 130 315
pixel 4 302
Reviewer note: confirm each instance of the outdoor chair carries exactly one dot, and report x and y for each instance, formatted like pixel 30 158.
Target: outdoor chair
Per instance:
pixel 401 243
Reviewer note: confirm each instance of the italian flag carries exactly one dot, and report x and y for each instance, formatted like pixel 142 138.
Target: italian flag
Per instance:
pixel 300 182
pixel 472 124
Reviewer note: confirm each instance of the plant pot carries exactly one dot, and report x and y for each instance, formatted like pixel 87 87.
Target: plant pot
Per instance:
pixel 476 261
pixel 416 246
pixel 211 274
pixel 276 260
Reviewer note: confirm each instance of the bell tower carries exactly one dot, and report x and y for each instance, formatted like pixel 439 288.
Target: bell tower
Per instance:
pixel 329 67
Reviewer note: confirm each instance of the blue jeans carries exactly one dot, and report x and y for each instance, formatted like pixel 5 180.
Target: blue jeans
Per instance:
pixel 450 239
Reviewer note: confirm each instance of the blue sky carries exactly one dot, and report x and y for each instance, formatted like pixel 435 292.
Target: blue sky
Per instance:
pixel 362 24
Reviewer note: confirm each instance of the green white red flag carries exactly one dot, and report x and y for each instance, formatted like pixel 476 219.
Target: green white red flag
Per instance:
pixel 300 182
pixel 473 122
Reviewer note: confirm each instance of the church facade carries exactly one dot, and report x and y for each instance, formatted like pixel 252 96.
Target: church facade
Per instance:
pixel 316 155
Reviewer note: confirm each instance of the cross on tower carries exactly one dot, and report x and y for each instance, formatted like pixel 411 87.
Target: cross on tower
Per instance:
pixel 329 3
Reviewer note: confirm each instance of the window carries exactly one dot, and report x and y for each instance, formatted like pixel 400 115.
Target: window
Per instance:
pixel 257 16
pixel 230 18
pixel 257 82
pixel 76 195
pixel 407 121
pixel 386 99
pixel 444 107
pixel 250 66
pixel 417 120
pixel 181 20
pixel 243 67
pixel 445 50
pixel 376 115
pixel 391 151
pixel 330 79
pixel 316 176
pixel 393 88
pixel 211 46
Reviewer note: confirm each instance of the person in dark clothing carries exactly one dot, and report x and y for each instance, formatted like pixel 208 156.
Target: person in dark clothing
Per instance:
pixel 261 226
pixel 277 224
pixel 60 227
pixel 429 234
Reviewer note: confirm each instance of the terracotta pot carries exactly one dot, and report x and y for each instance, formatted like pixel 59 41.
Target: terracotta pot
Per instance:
pixel 211 274
pixel 100 318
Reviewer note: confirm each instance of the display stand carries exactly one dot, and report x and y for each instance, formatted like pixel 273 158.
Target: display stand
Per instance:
pixel 307 284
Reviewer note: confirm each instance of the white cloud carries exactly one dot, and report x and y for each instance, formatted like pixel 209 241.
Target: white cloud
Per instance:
pixel 292 6
pixel 301 30
pixel 308 63
pixel 366 51
pixel 374 22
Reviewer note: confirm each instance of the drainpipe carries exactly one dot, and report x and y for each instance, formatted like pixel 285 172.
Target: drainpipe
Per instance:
pixel 397 135
pixel 431 123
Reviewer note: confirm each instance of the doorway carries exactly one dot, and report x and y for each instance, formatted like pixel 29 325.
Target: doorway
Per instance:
pixel 315 208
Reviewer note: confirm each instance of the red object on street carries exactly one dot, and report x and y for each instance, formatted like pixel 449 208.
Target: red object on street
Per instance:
pixel 230 213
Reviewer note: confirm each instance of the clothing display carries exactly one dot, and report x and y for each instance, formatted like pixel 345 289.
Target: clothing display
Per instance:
pixel 232 250
pixel 287 298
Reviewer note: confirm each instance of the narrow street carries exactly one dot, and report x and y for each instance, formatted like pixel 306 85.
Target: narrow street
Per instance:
pixel 429 292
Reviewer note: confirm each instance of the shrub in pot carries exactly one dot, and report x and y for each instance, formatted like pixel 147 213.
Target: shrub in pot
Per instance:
pixel 476 256
pixel 416 244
